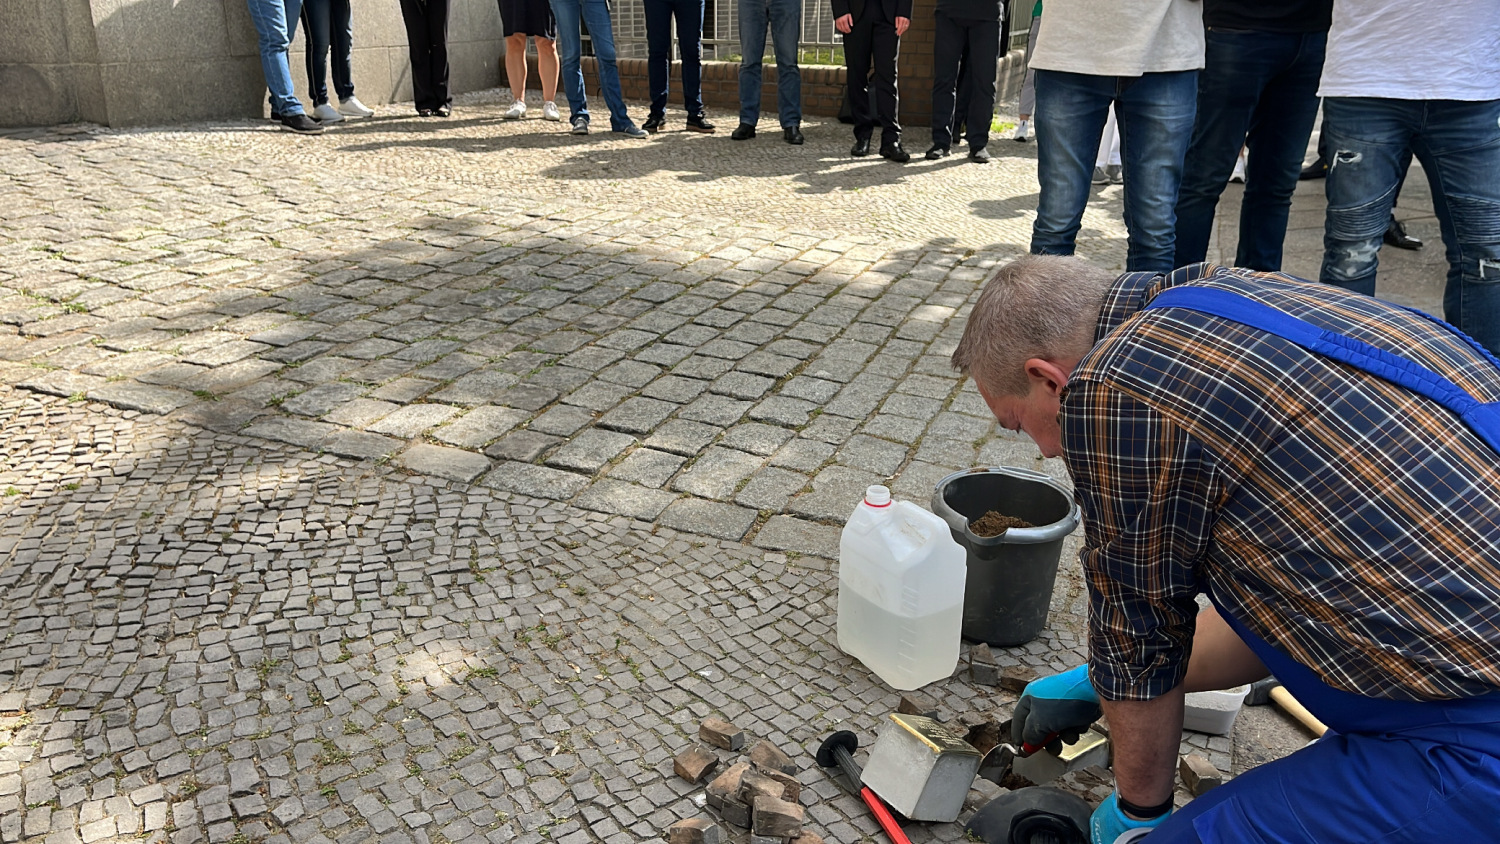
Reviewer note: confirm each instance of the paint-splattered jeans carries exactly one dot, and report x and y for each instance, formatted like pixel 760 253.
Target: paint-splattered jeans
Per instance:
pixel 1458 144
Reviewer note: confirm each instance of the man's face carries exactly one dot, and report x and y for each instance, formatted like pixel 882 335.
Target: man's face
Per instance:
pixel 1035 414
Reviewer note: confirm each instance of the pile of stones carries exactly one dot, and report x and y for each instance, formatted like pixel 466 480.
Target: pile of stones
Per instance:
pixel 759 792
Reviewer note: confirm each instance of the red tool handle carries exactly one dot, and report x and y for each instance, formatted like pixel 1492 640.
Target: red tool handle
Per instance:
pixel 884 817
pixel 1027 748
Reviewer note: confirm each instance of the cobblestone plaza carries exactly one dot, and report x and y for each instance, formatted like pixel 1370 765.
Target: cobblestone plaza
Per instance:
pixel 430 482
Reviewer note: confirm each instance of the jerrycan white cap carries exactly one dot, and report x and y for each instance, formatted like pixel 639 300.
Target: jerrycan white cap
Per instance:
pixel 877 496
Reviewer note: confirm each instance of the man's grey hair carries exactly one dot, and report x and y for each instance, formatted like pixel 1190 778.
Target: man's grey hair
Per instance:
pixel 1037 306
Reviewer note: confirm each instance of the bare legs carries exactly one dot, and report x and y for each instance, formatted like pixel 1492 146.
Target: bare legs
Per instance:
pixel 515 65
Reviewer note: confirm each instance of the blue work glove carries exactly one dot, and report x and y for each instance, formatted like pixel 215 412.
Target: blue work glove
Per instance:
pixel 1108 824
pixel 1058 707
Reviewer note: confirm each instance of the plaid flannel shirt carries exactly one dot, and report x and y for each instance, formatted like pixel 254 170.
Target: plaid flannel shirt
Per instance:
pixel 1349 522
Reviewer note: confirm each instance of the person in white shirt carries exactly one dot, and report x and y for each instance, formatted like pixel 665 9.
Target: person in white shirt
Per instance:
pixel 1416 79
pixel 1143 57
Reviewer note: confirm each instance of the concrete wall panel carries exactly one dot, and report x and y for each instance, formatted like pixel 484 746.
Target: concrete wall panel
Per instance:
pixel 145 93
pixel 32 32
pixel 131 31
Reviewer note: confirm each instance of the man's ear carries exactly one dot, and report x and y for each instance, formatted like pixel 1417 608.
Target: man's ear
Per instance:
pixel 1051 377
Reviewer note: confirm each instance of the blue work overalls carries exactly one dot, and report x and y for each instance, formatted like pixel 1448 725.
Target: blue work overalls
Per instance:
pixel 1387 771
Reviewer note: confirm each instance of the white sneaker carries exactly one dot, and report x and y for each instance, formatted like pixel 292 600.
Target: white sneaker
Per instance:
pixel 1239 169
pixel 326 114
pixel 549 112
pixel 1020 132
pixel 352 107
pixel 1100 177
pixel 517 110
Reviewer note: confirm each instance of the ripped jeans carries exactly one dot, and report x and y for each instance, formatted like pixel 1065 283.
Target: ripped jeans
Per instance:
pixel 1458 144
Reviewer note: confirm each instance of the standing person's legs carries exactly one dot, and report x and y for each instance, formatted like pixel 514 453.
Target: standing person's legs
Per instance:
pixel 658 52
pixel 689 15
pixel 754 15
pixel 1278 134
pixel 341 43
pixel 515 64
pixel 414 15
pixel 1238 66
pixel 569 14
pixel 546 66
pixel 1071 110
pixel 1366 138
pixel 1459 147
pixel 947 48
pixel 1028 85
pixel 786 31
pixel 858 45
pixel 437 51
pixel 315 22
pixel 984 57
pixel 602 35
pixel 886 46
pixel 1156 121
pixel 274 33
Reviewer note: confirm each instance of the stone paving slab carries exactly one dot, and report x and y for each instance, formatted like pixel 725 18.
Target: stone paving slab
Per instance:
pixel 431 481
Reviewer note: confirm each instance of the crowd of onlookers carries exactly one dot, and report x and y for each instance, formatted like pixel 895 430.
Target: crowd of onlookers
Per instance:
pixel 1170 98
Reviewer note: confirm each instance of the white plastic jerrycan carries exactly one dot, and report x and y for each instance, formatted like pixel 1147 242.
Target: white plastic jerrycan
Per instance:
pixel 901 591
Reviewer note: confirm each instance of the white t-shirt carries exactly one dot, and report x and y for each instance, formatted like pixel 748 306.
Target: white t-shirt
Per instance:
pixel 1409 50
pixel 1120 37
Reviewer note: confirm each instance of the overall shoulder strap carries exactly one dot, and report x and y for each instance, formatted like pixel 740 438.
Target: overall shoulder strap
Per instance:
pixel 1482 418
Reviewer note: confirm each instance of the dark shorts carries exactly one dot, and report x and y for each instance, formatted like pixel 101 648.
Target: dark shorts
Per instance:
pixel 529 17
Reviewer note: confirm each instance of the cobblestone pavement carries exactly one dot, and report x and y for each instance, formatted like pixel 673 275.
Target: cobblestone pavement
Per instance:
pixel 431 482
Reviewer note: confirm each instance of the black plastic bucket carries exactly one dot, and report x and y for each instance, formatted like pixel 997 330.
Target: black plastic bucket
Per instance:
pixel 1009 585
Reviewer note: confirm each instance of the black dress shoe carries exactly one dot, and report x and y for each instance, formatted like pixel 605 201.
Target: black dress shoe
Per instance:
pixel 895 152
pixel 425 112
pixel 1395 235
pixel 792 135
pixel 442 111
pixel 861 147
pixel 980 155
pixel 1316 170
pixel 937 152
pixel 743 132
pixel 654 123
pixel 699 124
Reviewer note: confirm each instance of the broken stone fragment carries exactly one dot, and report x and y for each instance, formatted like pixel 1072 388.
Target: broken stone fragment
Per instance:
pixel 982 668
pixel 693 831
pixel 767 755
pixel 915 703
pixel 721 733
pixel 776 818
pixel 775 783
pixel 1013 678
pixel 735 812
pixel 1198 774
pixel 695 764
pixel 808 838
pixel 726 786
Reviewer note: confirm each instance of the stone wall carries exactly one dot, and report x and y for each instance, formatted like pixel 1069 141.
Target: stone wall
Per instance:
pixel 131 62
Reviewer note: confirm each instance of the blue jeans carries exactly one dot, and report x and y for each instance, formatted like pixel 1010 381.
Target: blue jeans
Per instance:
pixel 785 20
pixel 689 14
pixel 327 24
pixel 1458 144
pixel 276 24
pixel 1259 89
pixel 1155 113
pixel 594 14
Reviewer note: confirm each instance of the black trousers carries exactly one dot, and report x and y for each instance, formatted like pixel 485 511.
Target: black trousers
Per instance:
pixel 981 38
pixel 873 39
pixel 427 37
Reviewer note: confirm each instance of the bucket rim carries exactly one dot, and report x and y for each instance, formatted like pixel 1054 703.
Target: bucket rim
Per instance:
pixel 959 523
